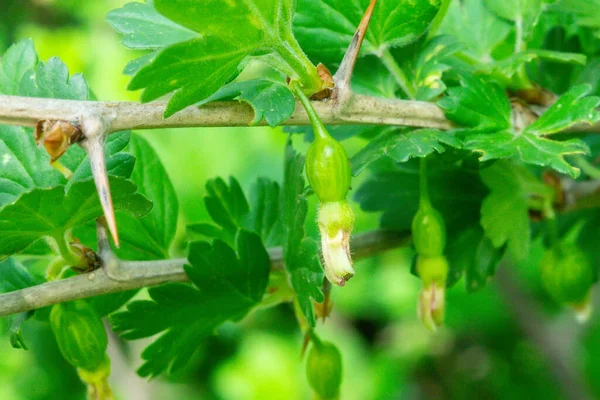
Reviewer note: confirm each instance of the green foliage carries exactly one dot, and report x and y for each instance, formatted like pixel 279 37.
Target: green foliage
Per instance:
pixel 301 254
pixel 230 211
pixel 484 108
pixel 456 191
pixel 14 276
pixel 228 283
pixel 26 166
pixel 477 104
pixel 149 237
pixel 491 65
pixel 401 145
pixel 570 109
pixel 473 24
pixel 53 212
pixel 16 62
pixel 505 211
pixel 230 31
pixel 52 80
pixel 325 27
pixel 278 216
pixel 144 28
pixel 270 100
pixel 586 12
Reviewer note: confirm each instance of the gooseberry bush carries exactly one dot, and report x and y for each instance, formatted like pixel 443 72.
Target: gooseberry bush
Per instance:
pixel 477 120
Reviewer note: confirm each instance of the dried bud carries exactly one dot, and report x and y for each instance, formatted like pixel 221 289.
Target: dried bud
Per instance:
pixel 88 259
pixel 56 136
pixel 336 221
pixel 327 83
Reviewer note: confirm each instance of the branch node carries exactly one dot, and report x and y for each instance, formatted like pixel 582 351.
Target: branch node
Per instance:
pixel 110 262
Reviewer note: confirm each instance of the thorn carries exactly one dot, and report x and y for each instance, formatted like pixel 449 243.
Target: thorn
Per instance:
pixel 95 131
pixel 344 72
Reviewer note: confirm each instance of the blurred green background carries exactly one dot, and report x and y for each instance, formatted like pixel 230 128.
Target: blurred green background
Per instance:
pixel 482 353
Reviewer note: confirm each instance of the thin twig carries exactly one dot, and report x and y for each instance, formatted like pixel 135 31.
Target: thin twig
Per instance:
pixel 149 273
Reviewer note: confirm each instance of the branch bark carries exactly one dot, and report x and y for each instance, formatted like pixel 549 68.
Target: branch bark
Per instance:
pixel 138 274
pixel 358 109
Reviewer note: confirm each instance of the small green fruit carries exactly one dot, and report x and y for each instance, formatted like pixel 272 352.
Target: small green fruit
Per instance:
pixel 324 369
pixel 328 169
pixel 567 273
pixel 80 334
pixel 429 232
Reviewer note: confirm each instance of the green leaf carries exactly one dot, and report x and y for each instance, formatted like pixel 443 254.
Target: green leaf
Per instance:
pixel 528 148
pixel 505 211
pixel 474 252
pixel 571 108
pixel 24 165
pixel 144 28
pixel 149 237
pixel 430 64
pixel 485 108
pixel 230 31
pixel 226 286
pixel 226 205
pixel 587 12
pixel 301 254
pixel 423 63
pixel 52 80
pixel 136 64
pixel 325 28
pixel 196 69
pixel 525 12
pixel 270 100
pixel 474 25
pixel 18 60
pixel 52 212
pixel 230 211
pixel 506 70
pixel 264 218
pixel 401 145
pixel 477 104
pixel 14 276
pixel 372 78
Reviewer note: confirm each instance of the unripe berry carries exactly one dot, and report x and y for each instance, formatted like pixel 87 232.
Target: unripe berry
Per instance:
pixel 429 232
pixel 324 369
pixel 80 334
pixel 328 169
pixel 567 273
